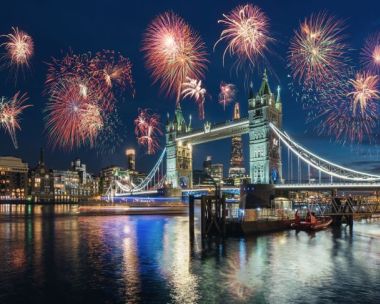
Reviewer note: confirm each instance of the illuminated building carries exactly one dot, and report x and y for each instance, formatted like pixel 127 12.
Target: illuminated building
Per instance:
pixel 13 178
pixel 131 159
pixel 237 170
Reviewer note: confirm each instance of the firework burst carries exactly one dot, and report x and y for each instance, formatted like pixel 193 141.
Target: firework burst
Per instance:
pixel 19 48
pixel 370 54
pixel 75 114
pixel 331 110
pixel 70 66
pixel 193 88
pixel 365 90
pixel 173 51
pixel 246 33
pixel 10 110
pixel 113 71
pixel 147 130
pixel 227 92
pixel 317 50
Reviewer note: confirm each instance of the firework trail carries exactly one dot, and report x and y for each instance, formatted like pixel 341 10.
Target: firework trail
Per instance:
pixel 10 110
pixel 147 130
pixel 317 50
pixel 75 114
pixel 193 88
pixel 173 51
pixel 246 33
pixel 19 48
pixel 365 90
pixel 226 94
pixel 370 54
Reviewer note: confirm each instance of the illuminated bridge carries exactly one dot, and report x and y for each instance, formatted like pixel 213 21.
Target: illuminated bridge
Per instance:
pixel 268 145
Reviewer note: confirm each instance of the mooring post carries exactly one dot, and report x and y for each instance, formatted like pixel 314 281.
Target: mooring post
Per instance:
pixel 203 220
pixel 191 218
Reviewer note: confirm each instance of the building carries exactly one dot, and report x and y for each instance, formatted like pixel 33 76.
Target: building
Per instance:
pixel 40 183
pixel 13 178
pixel 61 186
pixel 217 173
pixel 207 165
pixel 131 159
pixel 77 166
pixel 237 170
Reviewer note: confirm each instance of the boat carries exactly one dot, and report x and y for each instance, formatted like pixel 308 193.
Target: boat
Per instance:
pixel 322 222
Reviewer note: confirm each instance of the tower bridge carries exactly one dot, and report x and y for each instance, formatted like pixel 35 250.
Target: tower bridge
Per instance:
pixel 267 142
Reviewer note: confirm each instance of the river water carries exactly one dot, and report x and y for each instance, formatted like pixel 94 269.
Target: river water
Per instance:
pixel 50 256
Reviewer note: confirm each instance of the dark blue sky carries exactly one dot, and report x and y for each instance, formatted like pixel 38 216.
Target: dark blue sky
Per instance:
pixel 118 24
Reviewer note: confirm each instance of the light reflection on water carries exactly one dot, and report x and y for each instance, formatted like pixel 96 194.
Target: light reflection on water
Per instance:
pixel 48 255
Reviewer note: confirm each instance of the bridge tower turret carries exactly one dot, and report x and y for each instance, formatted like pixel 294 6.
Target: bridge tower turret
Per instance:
pixel 179 168
pixel 264 147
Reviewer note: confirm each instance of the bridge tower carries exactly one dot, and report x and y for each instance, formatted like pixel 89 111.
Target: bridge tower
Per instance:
pixel 179 168
pixel 264 147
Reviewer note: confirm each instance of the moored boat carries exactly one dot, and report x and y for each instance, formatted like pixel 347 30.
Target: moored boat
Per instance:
pixel 321 222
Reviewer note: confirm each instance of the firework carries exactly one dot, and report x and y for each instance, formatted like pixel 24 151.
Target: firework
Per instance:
pixel 10 110
pixel 332 112
pixel 317 50
pixel 75 115
pixel 112 70
pixel 173 51
pixel 19 48
pixel 226 94
pixel 370 54
pixel 193 88
pixel 70 66
pixel 246 33
pixel 364 90
pixel 147 129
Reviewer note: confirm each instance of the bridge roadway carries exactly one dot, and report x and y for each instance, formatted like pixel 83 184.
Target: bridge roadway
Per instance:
pixel 216 132
pixel 330 186
pixel 289 187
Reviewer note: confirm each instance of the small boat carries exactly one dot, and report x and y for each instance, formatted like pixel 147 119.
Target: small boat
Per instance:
pixel 321 223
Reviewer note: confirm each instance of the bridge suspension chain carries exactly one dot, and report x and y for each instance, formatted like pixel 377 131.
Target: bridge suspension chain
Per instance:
pixel 322 165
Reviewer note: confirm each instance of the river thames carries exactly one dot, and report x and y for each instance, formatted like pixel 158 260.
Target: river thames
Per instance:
pixel 52 256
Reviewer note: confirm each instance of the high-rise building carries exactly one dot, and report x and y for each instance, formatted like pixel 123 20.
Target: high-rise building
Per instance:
pixel 237 170
pixel 217 173
pixel 207 165
pixel 13 178
pixel 131 159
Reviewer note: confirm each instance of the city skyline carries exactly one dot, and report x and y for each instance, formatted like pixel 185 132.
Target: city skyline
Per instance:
pixel 61 36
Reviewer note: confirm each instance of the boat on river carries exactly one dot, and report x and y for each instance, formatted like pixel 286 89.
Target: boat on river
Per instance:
pixel 321 222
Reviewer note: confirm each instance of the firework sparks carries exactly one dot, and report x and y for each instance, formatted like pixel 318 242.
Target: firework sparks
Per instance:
pixel 364 90
pixel 19 48
pixel 10 110
pixel 226 94
pixel 74 113
pixel 246 33
pixel 173 51
pixel 147 130
pixel 370 54
pixel 112 70
pixel 70 66
pixel 333 112
pixel 193 88
pixel 317 49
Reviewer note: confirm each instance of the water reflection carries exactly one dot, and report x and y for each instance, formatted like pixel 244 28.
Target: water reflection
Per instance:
pixel 54 256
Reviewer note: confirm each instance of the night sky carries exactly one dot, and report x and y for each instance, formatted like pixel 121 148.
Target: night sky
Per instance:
pixel 94 25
